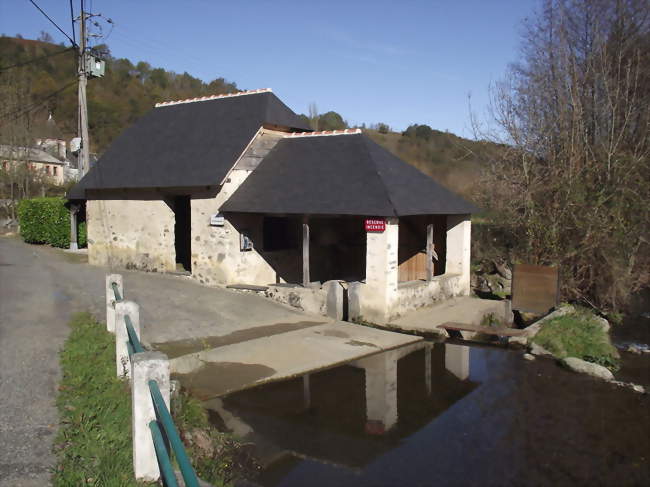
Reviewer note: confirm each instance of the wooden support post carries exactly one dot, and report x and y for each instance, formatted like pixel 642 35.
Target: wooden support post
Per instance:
pixel 305 252
pixel 74 210
pixel 429 251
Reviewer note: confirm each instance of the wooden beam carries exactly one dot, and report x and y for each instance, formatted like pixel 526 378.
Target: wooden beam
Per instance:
pixel 305 252
pixel 429 251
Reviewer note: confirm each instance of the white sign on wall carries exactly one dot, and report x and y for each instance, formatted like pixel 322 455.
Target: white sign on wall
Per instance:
pixel 217 220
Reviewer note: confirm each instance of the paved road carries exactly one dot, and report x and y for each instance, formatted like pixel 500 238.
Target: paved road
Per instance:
pixel 41 287
pixel 35 305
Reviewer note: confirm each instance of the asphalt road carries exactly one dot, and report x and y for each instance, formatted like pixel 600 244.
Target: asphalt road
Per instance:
pixel 35 305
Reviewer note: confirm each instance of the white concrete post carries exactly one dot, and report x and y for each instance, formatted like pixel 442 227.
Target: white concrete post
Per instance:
pixel 459 242
pixel 380 291
pixel 457 360
pixel 381 390
pixel 122 362
pixel 146 366
pixel 110 299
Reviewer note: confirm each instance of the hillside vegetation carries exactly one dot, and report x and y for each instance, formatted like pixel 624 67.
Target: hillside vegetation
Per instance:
pixel 129 89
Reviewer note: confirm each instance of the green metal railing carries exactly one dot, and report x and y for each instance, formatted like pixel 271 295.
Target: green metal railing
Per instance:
pixel 167 423
pixel 164 420
pixel 116 291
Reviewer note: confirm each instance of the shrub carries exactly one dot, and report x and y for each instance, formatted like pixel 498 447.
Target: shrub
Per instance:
pixel 578 335
pixel 47 221
pixel 82 235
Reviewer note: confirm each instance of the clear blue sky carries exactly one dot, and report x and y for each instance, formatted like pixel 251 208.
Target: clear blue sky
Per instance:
pixel 397 62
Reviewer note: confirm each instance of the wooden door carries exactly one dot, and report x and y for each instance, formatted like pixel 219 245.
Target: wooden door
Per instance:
pixel 414 268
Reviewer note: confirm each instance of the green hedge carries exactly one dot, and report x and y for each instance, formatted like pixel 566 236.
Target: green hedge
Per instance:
pixel 47 221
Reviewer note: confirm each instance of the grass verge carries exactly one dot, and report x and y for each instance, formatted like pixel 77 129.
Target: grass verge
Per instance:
pixel 93 445
pixel 217 457
pixel 578 335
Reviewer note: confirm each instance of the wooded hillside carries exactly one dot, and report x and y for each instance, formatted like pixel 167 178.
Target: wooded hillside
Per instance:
pixel 128 90
pixel 115 101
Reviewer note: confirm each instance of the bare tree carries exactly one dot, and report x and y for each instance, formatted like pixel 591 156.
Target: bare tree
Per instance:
pixel 572 184
pixel 18 180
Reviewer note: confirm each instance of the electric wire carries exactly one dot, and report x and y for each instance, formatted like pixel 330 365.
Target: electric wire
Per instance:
pixel 53 23
pixel 9 116
pixel 25 63
pixel 74 37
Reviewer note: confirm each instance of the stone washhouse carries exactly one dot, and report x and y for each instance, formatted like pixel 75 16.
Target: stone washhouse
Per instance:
pixel 235 190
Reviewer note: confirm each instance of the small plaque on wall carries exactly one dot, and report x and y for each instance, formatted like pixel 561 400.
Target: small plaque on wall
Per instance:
pixel 217 220
pixel 375 225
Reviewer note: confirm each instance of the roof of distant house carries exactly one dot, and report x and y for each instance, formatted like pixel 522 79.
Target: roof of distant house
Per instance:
pixel 340 174
pixel 186 143
pixel 11 152
pixel 47 129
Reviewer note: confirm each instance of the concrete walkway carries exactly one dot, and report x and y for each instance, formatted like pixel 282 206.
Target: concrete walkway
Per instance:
pixel 230 368
pixel 467 310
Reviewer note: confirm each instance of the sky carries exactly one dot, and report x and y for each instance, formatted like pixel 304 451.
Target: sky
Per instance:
pixel 395 62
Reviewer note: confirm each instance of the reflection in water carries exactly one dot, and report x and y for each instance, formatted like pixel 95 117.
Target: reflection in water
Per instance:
pixel 351 415
pixel 443 415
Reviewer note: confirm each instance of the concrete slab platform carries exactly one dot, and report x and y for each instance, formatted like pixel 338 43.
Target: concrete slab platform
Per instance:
pixel 466 310
pixel 219 371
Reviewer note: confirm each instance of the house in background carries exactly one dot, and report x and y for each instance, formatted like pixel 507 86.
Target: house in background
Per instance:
pixel 237 191
pixel 48 155
pixel 37 160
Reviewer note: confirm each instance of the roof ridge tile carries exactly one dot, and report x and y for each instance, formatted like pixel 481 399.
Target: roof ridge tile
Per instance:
pixel 213 97
pixel 322 133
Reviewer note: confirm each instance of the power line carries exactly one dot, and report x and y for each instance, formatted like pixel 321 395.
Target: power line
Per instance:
pixel 74 37
pixel 52 54
pixel 37 104
pixel 53 23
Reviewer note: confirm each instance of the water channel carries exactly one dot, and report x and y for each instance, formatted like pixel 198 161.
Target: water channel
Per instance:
pixel 463 415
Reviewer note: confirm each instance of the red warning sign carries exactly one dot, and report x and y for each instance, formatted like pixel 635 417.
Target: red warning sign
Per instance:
pixel 377 225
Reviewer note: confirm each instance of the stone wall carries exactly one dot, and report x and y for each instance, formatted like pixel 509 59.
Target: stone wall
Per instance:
pixel 325 300
pixel 216 255
pixel 129 233
pixel 381 298
pixel 417 294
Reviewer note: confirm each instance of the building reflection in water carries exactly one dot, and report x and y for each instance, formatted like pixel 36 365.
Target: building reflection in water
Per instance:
pixel 352 414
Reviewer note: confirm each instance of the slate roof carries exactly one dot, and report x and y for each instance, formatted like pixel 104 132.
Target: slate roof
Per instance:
pixel 11 152
pixel 187 143
pixel 340 175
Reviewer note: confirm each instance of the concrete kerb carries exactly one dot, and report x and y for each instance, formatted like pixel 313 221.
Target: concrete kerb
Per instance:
pixel 146 366
pixel 122 359
pixel 110 299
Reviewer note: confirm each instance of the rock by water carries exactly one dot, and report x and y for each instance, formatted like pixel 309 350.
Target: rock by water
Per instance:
pixel 536 349
pixel 584 367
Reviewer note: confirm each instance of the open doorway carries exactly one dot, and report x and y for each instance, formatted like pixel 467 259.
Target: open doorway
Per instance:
pixel 183 233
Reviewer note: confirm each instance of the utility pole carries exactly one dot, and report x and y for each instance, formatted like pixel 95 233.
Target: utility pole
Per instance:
pixel 83 163
pixel 84 153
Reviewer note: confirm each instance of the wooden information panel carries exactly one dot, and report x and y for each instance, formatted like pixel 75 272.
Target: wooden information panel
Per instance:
pixel 534 288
